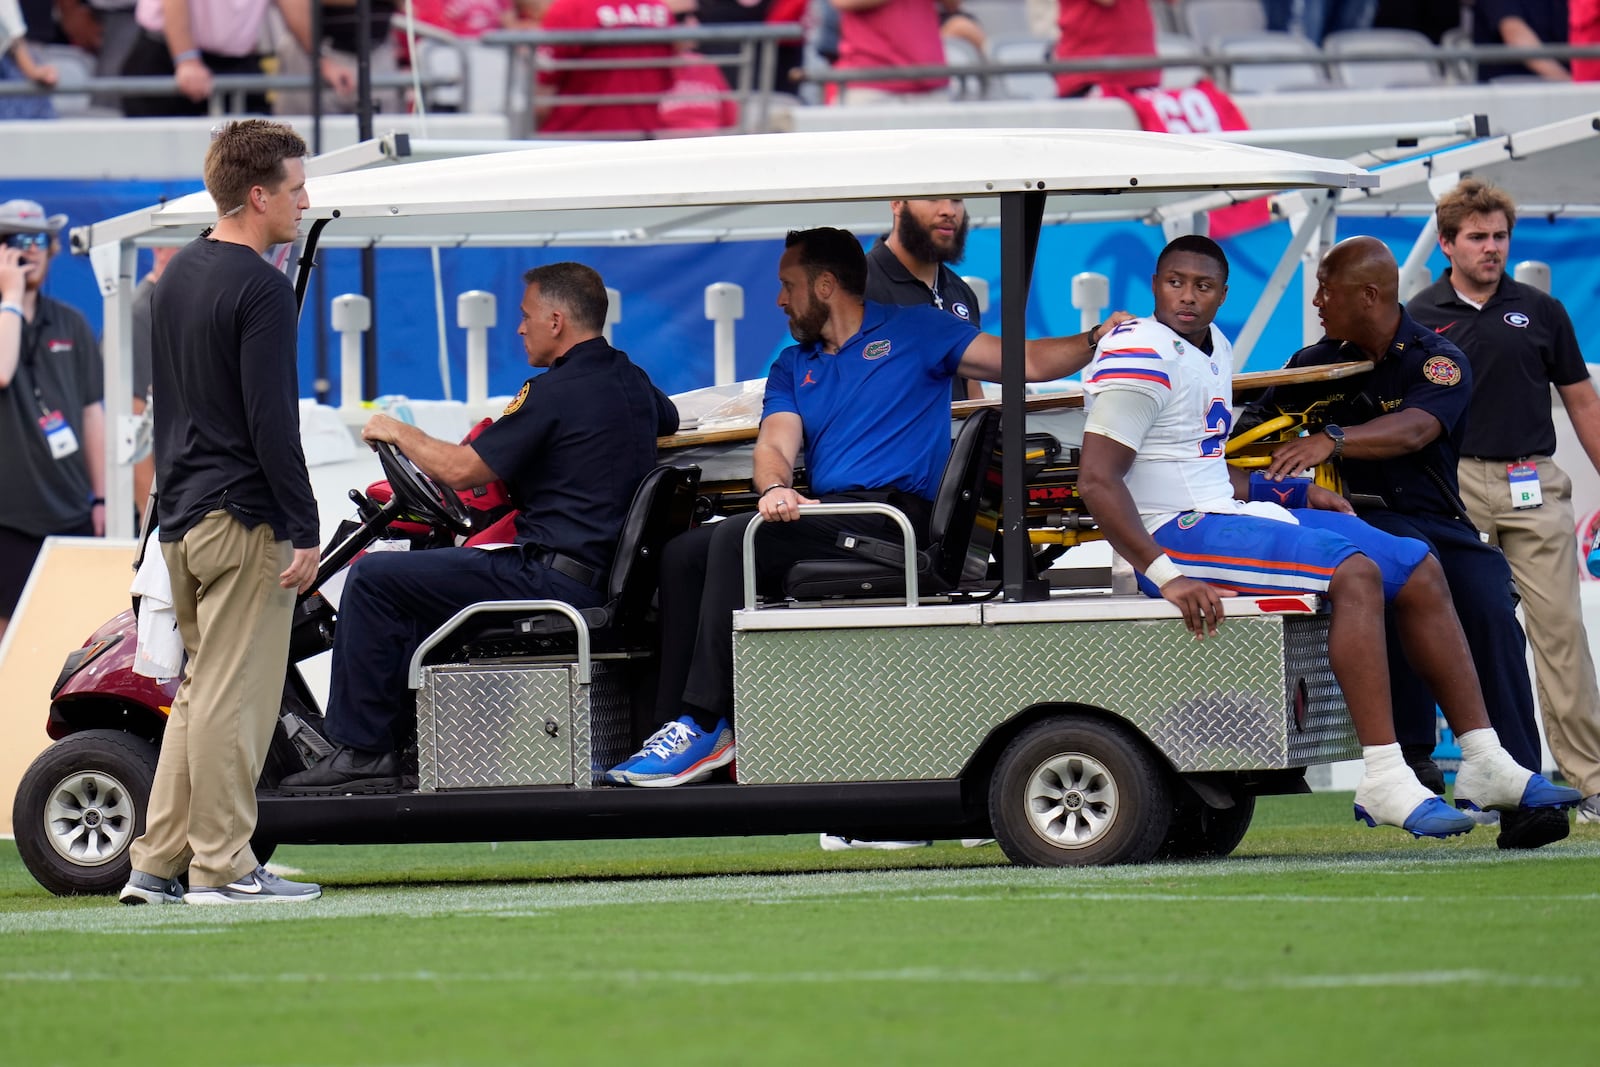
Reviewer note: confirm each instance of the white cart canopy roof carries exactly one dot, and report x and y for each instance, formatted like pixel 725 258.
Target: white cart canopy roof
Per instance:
pixel 729 188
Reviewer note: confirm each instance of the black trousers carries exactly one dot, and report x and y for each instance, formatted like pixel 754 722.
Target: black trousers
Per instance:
pixel 1485 600
pixel 702 585
pixel 150 56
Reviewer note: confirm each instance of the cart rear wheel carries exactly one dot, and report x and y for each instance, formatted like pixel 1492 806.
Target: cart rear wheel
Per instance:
pixel 1078 792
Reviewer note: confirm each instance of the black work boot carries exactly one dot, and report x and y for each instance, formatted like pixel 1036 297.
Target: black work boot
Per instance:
pixel 347 770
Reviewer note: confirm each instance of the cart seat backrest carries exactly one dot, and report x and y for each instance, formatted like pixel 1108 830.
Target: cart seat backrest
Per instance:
pixel 662 508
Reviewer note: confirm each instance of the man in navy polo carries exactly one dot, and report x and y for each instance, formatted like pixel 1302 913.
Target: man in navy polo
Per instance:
pixel 866 394
pixel 1397 436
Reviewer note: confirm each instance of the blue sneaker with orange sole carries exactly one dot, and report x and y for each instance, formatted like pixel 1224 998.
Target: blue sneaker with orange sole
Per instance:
pixel 677 754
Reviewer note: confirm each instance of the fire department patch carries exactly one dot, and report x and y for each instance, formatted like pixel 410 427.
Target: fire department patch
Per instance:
pixel 875 350
pixel 516 401
pixel 1442 370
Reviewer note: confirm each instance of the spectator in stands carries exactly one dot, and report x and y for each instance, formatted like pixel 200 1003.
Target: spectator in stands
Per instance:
pixel 470 19
pixel 1430 17
pixel 959 24
pixel 642 117
pixel 192 40
pixel 341 34
pixel 1315 19
pixel 1521 24
pixel 52 421
pixel 18 64
pixel 1105 28
pixel 1583 27
pixel 746 12
pixel 891 33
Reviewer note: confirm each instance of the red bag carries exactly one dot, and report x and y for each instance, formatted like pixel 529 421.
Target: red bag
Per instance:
pixel 692 103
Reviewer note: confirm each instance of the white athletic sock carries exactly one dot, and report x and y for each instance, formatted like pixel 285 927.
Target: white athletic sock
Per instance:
pixel 1383 760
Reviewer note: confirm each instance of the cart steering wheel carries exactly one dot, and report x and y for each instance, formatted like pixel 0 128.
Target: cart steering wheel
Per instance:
pixel 424 497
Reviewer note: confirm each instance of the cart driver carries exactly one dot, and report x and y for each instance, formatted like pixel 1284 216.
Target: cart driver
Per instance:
pixel 866 392
pixel 571 447
pixel 1199 530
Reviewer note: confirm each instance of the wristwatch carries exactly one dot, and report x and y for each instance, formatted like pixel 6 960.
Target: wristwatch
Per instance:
pixel 1336 433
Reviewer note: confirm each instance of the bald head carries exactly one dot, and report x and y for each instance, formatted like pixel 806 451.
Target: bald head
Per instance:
pixel 1358 294
pixel 1365 261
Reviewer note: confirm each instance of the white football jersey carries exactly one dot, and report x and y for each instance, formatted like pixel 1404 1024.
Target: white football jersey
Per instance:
pixel 1179 466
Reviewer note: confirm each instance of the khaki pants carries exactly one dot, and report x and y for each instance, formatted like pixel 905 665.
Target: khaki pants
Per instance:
pixel 1542 549
pixel 234 619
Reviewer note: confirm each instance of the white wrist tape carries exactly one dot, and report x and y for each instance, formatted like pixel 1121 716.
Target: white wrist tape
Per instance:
pixel 1162 570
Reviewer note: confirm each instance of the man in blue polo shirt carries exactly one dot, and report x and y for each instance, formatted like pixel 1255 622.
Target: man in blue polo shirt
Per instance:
pixel 866 394
pixel 1397 435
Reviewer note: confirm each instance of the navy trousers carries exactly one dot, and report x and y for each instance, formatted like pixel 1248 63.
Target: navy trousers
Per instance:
pixel 1484 594
pixel 393 600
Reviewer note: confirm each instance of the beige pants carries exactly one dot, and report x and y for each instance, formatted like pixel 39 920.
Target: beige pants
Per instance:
pixel 1542 549
pixel 234 619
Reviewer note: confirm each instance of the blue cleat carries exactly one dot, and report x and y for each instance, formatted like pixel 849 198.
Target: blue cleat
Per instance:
pixel 1432 818
pixel 1498 783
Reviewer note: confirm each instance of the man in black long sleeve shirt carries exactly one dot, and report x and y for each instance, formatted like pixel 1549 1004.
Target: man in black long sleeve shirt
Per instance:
pixel 238 521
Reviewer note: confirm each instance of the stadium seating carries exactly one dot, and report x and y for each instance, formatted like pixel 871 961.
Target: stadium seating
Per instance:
pixel 1172 45
pixel 1024 49
pixel 1207 20
pixel 959 52
pixel 1270 77
pixel 1409 67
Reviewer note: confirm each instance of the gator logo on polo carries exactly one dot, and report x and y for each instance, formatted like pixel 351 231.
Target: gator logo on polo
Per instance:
pixel 1186 522
pixel 1517 319
pixel 516 401
pixel 961 309
pixel 1442 370
pixel 876 350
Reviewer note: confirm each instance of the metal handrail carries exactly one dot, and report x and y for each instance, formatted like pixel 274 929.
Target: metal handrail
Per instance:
pixel 223 85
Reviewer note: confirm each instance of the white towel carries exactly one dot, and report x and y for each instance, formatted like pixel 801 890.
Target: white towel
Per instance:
pixel 159 652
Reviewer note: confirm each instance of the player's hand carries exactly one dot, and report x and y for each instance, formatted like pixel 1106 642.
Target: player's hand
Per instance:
pixel 782 505
pixel 302 571
pixel 1327 500
pixel 1300 454
pixel 341 77
pixel 1200 602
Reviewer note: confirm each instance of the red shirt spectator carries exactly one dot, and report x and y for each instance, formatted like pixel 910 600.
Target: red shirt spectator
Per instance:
pixel 464 18
pixel 889 33
pixel 605 15
pixel 1105 28
pixel 1585 29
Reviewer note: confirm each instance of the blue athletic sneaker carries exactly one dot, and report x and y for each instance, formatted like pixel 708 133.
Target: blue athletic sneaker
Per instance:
pixel 678 753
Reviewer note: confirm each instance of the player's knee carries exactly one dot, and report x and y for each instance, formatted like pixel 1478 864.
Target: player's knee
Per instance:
pixel 1426 580
pixel 1355 575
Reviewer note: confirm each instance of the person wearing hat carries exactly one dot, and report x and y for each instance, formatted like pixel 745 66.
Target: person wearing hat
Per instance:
pixel 52 421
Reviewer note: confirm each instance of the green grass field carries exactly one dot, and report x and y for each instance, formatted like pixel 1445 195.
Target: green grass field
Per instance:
pixel 1319 943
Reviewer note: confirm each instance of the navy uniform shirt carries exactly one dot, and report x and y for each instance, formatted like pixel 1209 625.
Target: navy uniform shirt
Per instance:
pixel 1420 370
pixel 573 446
pixel 1519 344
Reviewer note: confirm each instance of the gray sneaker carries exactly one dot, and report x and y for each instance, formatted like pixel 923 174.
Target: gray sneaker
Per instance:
pixel 260 886
pixel 1589 808
pixel 148 889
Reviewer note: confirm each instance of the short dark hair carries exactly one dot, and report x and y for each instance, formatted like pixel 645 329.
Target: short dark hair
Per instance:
pixel 577 288
pixel 1195 244
pixel 246 154
pixel 838 252
pixel 1472 197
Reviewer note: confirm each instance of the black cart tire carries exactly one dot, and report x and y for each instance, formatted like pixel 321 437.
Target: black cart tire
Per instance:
pixel 1201 832
pixel 79 807
pixel 1078 792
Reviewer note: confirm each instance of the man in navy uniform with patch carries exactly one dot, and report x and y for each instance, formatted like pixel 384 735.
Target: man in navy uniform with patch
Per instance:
pixel 1396 434
pixel 1520 342
pixel 572 448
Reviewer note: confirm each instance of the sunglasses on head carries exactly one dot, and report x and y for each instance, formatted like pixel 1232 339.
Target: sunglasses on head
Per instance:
pixel 24 241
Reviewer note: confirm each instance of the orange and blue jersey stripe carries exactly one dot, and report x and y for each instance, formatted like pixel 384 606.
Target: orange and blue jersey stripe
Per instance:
pixel 1130 364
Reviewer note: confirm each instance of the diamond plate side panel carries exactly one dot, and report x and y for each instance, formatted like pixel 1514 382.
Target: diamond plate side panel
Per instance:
pixel 915 702
pixel 609 725
pixel 487 726
pixel 1326 734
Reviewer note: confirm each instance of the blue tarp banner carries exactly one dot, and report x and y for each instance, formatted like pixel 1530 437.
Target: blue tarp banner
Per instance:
pixel 663 325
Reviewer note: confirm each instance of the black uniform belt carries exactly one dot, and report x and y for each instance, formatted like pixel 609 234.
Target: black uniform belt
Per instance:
pixel 563 564
pixel 1506 459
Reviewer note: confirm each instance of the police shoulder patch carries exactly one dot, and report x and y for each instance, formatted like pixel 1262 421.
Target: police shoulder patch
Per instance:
pixel 1442 370
pixel 516 401
pixel 875 350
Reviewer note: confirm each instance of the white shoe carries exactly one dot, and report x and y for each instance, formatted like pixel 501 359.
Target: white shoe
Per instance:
pixel 1589 809
pixel 1398 799
pixel 835 843
pixel 976 842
